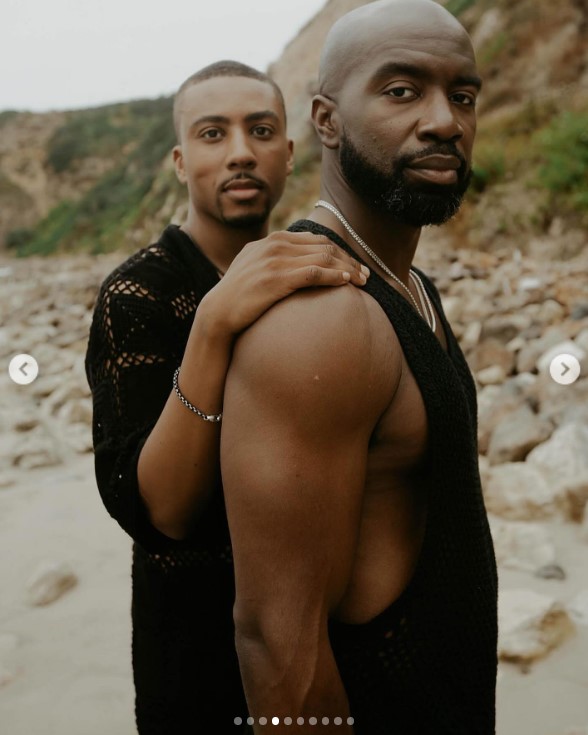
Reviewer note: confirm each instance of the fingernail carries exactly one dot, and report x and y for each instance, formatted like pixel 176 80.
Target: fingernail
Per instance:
pixel 362 278
pixel 365 270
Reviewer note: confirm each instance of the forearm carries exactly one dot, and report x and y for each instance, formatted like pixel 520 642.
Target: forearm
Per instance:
pixel 304 684
pixel 179 465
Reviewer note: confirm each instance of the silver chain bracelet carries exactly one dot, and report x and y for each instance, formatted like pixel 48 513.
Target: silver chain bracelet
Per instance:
pixel 212 417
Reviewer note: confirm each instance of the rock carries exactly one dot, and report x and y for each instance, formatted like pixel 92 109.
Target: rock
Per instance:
pixel 530 283
pixel 77 411
pixel 568 347
pixel 516 434
pixel 491 352
pixel 471 336
pixel 530 625
pixel 68 391
pixel 551 571
pixel 495 404
pixel 79 438
pixel 550 311
pixel 520 492
pixel 522 545
pixel 575 493
pixel 493 375
pixel 453 308
pixel 505 327
pixel 581 340
pixel 563 457
pixel 578 608
pixel 579 310
pixel 36 449
pixel 527 357
pixel 49 582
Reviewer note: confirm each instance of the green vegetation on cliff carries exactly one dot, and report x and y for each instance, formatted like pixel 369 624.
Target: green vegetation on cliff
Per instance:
pixel 135 137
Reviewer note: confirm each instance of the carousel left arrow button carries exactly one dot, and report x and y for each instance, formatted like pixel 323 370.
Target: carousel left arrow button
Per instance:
pixel 23 369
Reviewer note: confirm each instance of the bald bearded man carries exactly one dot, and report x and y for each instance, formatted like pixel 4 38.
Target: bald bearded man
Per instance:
pixel 366 583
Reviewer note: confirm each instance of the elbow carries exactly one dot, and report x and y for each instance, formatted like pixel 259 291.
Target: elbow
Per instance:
pixel 168 523
pixel 272 647
pixel 172 527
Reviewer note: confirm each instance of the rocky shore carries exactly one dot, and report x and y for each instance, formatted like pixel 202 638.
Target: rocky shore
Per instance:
pixel 512 314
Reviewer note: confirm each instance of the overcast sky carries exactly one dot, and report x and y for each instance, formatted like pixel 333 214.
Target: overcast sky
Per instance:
pixel 68 54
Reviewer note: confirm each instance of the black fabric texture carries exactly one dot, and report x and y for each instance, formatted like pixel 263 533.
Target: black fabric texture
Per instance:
pixel 427 665
pixel 185 666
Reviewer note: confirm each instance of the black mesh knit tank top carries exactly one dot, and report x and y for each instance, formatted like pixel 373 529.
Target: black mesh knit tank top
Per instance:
pixel 427 665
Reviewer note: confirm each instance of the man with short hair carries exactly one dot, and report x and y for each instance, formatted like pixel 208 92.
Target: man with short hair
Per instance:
pixel 366 586
pixel 159 349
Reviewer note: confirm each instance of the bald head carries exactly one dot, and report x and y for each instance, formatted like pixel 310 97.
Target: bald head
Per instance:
pixel 357 36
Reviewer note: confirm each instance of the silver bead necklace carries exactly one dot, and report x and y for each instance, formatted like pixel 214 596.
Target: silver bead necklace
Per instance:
pixel 427 313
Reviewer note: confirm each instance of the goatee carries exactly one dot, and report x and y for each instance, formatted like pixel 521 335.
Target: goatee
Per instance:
pixel 388 190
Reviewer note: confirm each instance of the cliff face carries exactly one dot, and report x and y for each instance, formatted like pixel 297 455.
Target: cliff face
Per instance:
pixel 101 179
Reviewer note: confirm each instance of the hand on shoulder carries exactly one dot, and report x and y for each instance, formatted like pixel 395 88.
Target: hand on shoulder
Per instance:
pixel 268 270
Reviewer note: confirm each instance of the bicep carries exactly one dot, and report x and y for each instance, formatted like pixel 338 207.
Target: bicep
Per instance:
pixel 293 455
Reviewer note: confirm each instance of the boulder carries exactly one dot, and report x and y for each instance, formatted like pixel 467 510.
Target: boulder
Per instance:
pixel 520 492
pixel 563 457
pixel 526 361
pixel 530 625
pixel 516 434
pixel 575 496
pixel 505 327
pixel 493 375
pixel 522 545
pixel 49 582
pixel 491 352
pixel 568 347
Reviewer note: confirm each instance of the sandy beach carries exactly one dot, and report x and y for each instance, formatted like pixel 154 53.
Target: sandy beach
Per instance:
pixel 68 663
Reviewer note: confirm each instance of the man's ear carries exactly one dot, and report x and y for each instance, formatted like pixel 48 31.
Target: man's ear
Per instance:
pixel 290 161
pixel 325 120
pixel 179 163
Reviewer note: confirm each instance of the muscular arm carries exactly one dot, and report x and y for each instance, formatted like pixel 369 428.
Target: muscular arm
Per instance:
pixel 304 392
pixel 178 465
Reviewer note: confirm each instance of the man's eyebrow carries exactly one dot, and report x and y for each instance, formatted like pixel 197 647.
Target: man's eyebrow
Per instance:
pixel 222 120
pixel 412 70
pixel 210 119
pixel 262 115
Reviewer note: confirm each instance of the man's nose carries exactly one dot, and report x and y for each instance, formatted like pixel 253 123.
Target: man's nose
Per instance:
pixel 440 121
pixel 240 154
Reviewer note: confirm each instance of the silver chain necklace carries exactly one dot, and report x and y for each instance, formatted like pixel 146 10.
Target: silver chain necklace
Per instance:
pixel 428 313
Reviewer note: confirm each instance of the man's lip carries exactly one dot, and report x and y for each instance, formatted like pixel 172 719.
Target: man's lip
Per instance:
pixel 437 163
pixel 237 184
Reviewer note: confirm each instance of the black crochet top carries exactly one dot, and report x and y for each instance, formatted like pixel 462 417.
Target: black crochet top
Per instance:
pixel 426 666
pixel 185 667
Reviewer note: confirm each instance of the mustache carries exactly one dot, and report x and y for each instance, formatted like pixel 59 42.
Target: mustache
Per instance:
pixel 437 149
pixel 243 176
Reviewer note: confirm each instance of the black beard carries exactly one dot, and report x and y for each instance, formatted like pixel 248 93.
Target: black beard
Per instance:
pixel 245 221
pixel 388 191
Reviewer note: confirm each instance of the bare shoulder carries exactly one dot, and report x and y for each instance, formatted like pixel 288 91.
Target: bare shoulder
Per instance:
pixel 336 338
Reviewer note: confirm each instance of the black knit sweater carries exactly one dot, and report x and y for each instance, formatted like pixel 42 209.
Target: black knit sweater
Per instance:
pixel 427 666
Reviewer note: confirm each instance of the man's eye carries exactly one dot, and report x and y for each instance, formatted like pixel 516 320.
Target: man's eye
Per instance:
pixel 464 99
pixel 211 133
pixel 262 131
pixel 402 93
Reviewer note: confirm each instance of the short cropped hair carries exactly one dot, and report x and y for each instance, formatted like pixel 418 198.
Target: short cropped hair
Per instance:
pixel 225 68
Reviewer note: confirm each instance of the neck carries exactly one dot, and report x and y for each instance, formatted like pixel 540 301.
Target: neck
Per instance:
pixel 394 242
pixel 220 242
